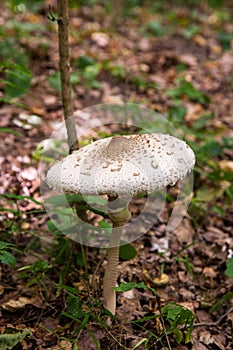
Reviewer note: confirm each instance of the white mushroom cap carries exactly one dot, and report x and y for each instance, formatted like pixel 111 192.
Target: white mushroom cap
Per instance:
pixel 123 165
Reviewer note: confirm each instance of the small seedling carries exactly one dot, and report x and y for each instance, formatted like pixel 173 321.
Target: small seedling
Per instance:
pixel 176 319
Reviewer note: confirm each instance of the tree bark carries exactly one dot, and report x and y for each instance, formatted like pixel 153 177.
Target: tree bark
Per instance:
pixel 64 66
pixel 66 90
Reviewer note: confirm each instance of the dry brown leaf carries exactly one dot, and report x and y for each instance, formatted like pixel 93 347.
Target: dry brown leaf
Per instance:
pixel 14 305
pixel 101 39
pixel 226 165
pixel 200 40
pixel 18 304
pixel 184 232
pixel 29 174
pixel 1 289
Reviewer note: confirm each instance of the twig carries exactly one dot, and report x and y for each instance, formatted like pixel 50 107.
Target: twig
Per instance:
pixel 51 16
pixel 216 323
pixel 64 66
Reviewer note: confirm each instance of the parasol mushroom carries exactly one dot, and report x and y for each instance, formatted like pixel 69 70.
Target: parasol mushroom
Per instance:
pixel 122 167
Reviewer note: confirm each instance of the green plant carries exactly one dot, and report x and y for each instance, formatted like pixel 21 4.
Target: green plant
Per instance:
pixel 208 151
pixel 229 270
pixel 186 88
pixel 186 261
pixel 11 204
pixel 35 272
pixel 8 341
pixel 87 76
pixel 225 39
pixel 191 31
pixel 176 319
pixel 223 300
pixel 17 80
pixel 180 320
pixel 6 257
pixel 14 71
pixel 154 28
pixel 80 312
pixel 20 6
pixel 215 3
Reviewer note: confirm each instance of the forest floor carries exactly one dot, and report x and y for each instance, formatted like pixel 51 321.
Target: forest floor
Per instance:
pixel 174 60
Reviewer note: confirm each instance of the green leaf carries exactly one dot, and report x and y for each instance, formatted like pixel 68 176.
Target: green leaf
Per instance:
pixel 53 229
pixel 91 72
pixel 74 306
pixel 19 197
pixel 191 31
pixel 177 314
pixel 215 3
pixel 204 195
pixel 185 88
pixel 10 131
pixel 55 81
pixel 7 258
pixel 177 114
pixel 9 341
pixel 143 340
pixel 127 252
pixel 84 61
pixel 125 287
pixel 17 81
pixel 80 259
pixel 178 335
pixel 62 200
pixel 104 224
pixel 200 124
pixel 154 28
pixel 225 40
pixel 229 270
pixel 5 245
pixel 69 289
pixel 223 300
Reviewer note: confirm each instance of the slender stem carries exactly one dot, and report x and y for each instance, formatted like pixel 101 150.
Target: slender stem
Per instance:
pixel 66 90
pixel 64 66
pixel 110 277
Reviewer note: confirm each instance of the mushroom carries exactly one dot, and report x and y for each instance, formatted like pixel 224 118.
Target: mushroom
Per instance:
pixel 122 167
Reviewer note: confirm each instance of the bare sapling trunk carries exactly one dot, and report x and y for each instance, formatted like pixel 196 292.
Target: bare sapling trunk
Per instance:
pixel 64 67
pixel 66 90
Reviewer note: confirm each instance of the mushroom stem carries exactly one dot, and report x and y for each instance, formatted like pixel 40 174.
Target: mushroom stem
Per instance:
pixel 110 277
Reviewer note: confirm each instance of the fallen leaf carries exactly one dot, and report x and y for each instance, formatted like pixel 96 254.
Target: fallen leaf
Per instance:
pixel 29 174
pixel 129 294
pixel 200 40
pixel 184 232
pixel 101 39
pixel 18 304
pixel 1 289
pixel 189 59
pixel 226 165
